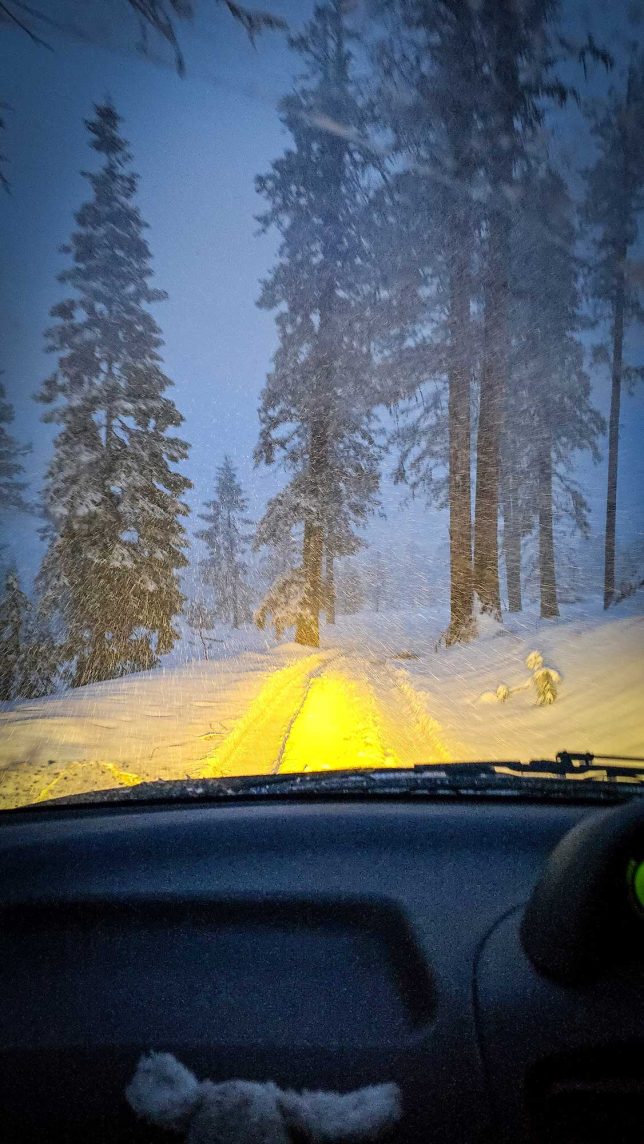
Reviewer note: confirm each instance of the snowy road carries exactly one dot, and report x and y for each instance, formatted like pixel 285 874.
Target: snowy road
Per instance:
pixel 332 709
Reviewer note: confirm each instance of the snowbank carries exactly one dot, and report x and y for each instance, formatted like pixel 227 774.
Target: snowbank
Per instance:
pixel 599 656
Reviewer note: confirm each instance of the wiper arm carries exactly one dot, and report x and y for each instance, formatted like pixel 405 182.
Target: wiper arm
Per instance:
pixel 583 764
pixel 537 779
pixel 570 758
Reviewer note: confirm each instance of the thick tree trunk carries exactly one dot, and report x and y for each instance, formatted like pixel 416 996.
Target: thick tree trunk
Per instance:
pixel 307 629
pixel 460 507
pixel 512 544
pixel 613 438
pixel 329 589
pixel 493 379
pixel 502 93
pixel 547 573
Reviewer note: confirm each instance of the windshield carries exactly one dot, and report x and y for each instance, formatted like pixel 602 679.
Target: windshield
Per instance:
pixel 321 415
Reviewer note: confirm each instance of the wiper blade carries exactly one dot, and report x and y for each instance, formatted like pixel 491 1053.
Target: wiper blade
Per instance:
pixel 574 758
pixel 537 779
pixel 585 764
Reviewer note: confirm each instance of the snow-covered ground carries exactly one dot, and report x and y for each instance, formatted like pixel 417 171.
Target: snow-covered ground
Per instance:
pixel 599 656
pixel 380 692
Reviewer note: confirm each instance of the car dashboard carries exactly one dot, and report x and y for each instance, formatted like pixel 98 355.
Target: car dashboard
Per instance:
pixel 321 944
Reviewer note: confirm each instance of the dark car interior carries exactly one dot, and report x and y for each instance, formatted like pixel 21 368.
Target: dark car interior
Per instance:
pixel 485 954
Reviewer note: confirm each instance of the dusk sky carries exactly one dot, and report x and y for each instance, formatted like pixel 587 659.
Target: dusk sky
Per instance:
pixel 197 143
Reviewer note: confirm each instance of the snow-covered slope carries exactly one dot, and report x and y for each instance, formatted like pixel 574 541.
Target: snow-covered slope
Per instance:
pixel 158 724
pixel 599 656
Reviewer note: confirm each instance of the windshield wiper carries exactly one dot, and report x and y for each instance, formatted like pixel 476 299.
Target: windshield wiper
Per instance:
pixel 574 758
pixel 582 764
pixel 537 779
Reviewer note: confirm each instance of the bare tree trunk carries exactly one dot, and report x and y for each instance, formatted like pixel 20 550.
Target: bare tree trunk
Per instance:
pixel 329 589
pixel 512 543
pixel 493 378
pixel 460 507
pixel 547 573
pixel 307 630
pixel 613 437
pixel 203 644
pixel 502 91
pixel 308 623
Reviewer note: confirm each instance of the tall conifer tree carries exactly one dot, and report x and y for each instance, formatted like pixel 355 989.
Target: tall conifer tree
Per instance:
pixel 12 486
pixel 226 539
pixel 14 607
pixel 615 199
pixel 548 414
pixel 316 406
pixel 427 219
pixel 112 495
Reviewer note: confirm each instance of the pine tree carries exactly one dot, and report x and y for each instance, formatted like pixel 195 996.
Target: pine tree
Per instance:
pixel 284 602
pixel 520 48
pixel 14 607
pixel 277 560
pixel 39 667
pixel 161 16
pixel 615 198
pixel 469 84
pixel 225 567
pixel 12 487
pixel 112 496
pixel 514 44
pixel 428 99
pixel 27 660
pixel 549 416
pixel 546 681
pixel 315 409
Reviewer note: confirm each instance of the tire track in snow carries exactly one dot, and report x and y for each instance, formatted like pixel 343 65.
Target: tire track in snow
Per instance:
pixel 256 742
pixel 336 728
pixel 406 729
pixel 316 674
pixel 357 713
pixel 427 736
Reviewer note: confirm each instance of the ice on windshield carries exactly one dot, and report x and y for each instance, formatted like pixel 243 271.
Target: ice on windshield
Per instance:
pixel 321 424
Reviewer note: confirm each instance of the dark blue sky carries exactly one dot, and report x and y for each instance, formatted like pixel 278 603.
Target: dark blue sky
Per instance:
pixel 198 142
